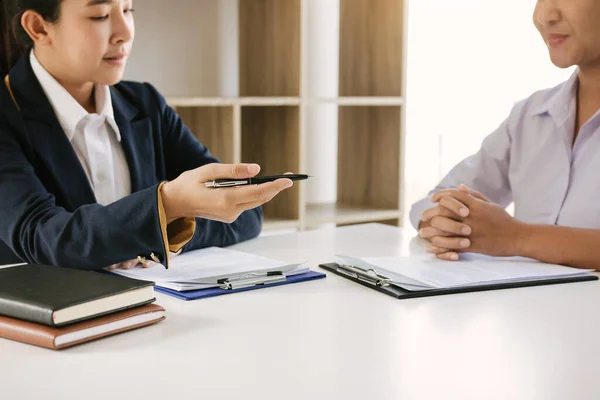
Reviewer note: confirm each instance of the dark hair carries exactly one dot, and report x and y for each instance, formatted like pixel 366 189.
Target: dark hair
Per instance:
pixel 14 41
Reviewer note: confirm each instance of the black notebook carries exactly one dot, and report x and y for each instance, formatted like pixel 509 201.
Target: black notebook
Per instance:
pixel 56 296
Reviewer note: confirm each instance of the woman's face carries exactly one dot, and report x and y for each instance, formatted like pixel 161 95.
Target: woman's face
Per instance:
pixel 91 40
pixel 571 30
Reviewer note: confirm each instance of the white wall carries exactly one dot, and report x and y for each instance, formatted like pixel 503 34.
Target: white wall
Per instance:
pixel 162 53
pixel 469 62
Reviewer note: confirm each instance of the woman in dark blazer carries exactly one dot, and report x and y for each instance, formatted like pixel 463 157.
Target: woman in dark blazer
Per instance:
pixel 49 212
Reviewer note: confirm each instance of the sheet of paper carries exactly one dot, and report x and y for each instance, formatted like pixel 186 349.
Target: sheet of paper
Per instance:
pixel 206 266
pixel 471 270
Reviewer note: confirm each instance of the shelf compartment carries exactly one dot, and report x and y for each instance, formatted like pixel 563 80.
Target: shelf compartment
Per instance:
pixel 270 137
pixel 213 127
pixel 269 47
pixel 369 156
pixel 341 214
pixel 371 47
pixel 278 224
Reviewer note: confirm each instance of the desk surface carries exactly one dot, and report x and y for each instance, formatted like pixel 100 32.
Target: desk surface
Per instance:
pixel 334 339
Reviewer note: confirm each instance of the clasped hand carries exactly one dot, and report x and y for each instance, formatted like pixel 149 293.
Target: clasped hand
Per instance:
pixel 466 221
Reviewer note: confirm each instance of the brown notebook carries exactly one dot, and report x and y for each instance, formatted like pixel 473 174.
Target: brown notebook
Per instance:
pixel 80 332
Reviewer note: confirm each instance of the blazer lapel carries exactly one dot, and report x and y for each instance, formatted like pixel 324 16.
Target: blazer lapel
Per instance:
pixel 49 141
pixel 136 139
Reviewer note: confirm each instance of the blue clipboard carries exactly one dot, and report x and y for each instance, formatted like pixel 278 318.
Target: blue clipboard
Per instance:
pixel 212 292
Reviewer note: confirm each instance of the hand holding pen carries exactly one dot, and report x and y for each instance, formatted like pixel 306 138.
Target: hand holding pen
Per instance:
pixel 189 196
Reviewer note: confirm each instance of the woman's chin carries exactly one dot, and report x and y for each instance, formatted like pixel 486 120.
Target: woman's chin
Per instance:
pixel 562 60
pixel 110 79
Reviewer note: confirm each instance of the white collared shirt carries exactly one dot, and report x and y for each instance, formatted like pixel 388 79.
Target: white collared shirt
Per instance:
pixel 95 137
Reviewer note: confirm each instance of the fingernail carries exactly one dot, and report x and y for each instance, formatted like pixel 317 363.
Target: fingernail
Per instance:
pixel 252 168
pixel 464 243
pixel 454 257
pixel 464 212
pixel 466 230
pixel 420 232
pixel 289 184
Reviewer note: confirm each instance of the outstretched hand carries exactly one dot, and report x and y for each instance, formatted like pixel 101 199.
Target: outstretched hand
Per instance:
pixel 187 196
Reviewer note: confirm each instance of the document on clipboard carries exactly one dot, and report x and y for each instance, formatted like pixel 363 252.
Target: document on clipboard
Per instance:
pixel 419 276
pixel 218 268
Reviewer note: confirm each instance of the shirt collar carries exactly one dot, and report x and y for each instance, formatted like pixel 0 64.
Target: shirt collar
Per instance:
pixel 561 102
pixel 68 111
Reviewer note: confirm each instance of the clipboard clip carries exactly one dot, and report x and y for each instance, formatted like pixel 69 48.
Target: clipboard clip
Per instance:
pixel 251 279
pixel 365 275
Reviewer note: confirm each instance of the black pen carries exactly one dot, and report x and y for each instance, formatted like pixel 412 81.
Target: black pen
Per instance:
pixel 219 183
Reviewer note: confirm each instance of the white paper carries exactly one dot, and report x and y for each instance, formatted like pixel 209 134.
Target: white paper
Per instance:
pixel 473 269
pixel 202 268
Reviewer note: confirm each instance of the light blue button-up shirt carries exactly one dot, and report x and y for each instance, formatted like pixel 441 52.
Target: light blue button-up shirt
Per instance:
pixel 531 160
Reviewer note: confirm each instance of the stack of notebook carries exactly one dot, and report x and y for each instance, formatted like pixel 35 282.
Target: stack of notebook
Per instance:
pixel 58 307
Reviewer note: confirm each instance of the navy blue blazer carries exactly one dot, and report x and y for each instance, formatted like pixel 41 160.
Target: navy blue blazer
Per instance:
pixel 48 212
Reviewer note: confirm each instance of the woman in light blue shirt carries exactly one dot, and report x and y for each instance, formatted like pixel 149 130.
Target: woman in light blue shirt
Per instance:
pixel 545 158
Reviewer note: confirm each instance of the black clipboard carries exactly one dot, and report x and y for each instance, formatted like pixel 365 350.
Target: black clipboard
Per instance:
pixel 400 293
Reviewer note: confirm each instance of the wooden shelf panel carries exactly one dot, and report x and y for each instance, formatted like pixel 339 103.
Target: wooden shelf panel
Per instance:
pixel 192 101
pixel 213 127
pixel 269 47
pixel 271 137
pixel 369 154
pixel 361 101
pixel 275 224
pixel 317 214
pixel 371 47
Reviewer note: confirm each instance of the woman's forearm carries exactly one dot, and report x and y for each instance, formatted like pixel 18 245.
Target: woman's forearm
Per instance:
pixel 574 247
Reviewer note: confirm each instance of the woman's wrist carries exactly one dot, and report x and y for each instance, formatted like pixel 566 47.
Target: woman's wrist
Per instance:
pixel 521 241
pixel 169 202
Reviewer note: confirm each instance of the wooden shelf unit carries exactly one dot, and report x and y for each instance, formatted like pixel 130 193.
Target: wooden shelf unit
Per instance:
pixel 243 93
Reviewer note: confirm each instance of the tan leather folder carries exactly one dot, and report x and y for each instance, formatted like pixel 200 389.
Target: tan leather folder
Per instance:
pixel 80 332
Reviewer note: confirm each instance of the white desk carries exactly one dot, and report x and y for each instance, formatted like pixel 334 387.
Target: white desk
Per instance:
pixel 334 339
